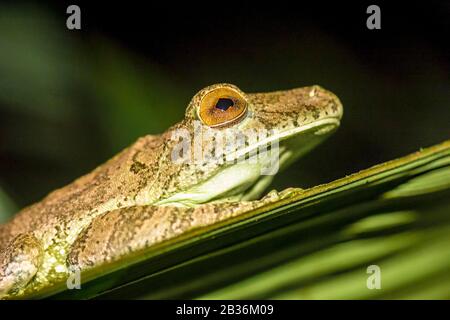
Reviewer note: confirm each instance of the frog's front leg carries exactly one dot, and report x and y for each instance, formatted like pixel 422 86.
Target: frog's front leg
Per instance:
pixel 128 230
pixel 19 262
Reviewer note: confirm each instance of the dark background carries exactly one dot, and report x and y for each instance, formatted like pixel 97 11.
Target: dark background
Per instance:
pixel 70 99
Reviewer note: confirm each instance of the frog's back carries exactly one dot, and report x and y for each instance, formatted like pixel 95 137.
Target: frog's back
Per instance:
pixel 107 187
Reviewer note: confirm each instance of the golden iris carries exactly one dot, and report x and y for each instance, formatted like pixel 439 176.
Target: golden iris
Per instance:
pixel 222 107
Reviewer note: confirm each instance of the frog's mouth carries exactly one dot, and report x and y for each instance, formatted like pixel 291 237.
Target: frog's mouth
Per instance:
pixel 247 180
pixel 299 140
pixel 292 144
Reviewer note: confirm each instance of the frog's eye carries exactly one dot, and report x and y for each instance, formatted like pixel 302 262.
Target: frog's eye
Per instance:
pixel 221 107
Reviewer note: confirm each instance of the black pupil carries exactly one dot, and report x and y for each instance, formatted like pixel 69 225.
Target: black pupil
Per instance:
pixel 224 103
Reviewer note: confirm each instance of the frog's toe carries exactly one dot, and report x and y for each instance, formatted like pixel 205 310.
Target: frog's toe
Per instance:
pixel 274 195
pixel 290 192
pixel 19 262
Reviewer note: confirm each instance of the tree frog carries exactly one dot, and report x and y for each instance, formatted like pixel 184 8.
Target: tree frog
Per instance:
pixel 163 186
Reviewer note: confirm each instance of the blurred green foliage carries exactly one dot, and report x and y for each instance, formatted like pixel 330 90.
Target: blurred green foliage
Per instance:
pixel 7 207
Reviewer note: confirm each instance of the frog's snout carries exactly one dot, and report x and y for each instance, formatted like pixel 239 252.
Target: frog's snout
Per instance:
pixel 329 102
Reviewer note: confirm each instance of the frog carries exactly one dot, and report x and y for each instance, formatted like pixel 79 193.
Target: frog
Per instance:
pixel 155 190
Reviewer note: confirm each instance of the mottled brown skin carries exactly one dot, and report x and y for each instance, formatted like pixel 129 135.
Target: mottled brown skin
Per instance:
pixel 115 210
pixel 141 227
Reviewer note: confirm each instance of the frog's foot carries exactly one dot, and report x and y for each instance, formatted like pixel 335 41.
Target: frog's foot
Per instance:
pixel 19 262
pixel 279 195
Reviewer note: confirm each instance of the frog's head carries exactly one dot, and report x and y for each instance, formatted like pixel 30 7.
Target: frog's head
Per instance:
pixel 287 123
